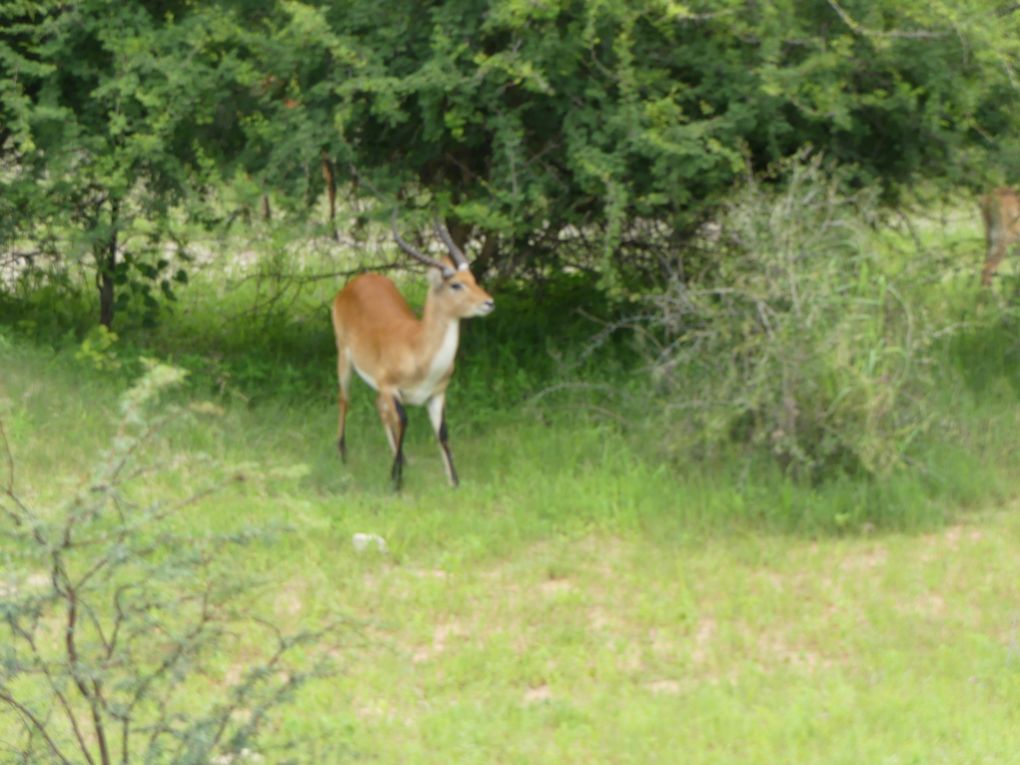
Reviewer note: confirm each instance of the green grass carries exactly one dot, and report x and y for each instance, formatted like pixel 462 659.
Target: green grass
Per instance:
pixel 582 598
pixel 575 601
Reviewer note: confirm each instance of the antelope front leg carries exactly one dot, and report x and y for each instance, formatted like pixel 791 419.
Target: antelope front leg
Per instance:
pixel 437 414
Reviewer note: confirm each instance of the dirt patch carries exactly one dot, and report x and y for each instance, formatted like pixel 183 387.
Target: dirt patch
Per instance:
pixel 867 560
pixel 441 637
pixel 537 694
pixel 664 687
pixel 703 636
pixel 553 587
pixel 774 650
pixel 289 600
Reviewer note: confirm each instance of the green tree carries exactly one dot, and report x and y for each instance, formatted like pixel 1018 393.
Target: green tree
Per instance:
pixel 104 105
pixel 591 133
pixel 625 121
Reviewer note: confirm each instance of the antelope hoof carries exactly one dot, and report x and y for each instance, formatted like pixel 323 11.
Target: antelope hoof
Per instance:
pixel 397 473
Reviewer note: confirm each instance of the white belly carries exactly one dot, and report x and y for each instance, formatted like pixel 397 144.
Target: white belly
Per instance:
pixel 438 369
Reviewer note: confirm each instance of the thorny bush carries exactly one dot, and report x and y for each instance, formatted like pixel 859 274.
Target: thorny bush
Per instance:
pixel 796 337
pixel 121 621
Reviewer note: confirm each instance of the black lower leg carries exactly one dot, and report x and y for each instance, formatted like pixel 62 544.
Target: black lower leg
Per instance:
pixel 397 473
pixel 341 444
pixel 445 444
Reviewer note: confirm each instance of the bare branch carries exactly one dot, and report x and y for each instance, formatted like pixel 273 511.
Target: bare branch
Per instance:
pixel 75 670
pixel 127 664
pixel 40 662
pixel 35 723
pixel 856 28
pixel 9 458
pixel 8 489
pixel 182 645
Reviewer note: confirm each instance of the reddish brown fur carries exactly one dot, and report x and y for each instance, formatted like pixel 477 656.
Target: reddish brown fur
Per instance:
pixel 1000 210
pixel 405 357
pixel 373 320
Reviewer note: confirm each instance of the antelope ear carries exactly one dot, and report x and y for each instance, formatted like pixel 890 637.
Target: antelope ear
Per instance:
pixel 437 278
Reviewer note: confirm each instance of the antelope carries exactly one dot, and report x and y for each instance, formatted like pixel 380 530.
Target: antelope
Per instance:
pixel 1000 209
pixel 407 360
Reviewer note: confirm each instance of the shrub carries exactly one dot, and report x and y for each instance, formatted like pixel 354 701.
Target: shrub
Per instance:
pixel 794 337
pixel 130 637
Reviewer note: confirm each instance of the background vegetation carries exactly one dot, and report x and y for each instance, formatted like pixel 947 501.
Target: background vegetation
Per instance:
pixel 597 135
pixel 737 444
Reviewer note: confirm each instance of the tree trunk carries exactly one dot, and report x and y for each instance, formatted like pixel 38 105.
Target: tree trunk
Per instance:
pixel 459 232
pixel 487 257
pixel 106 267
pixel 329 176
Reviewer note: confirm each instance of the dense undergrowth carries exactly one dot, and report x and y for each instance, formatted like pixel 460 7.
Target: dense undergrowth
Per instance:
pixel 901 422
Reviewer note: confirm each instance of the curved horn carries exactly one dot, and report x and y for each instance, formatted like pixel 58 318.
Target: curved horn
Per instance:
pixel 430 262
pixel 455 252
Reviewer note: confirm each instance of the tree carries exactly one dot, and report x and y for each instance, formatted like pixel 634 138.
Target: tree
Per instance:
pixel 105 105
pixel 623 123
pixel 593 134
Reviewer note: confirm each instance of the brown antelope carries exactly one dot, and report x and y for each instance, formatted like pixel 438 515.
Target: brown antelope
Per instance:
pixel 406 359
pixel 1000 209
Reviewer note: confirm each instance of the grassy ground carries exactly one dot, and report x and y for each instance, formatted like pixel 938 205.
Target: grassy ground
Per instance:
pixel 603 648
pixel 579 599
pixel 559 608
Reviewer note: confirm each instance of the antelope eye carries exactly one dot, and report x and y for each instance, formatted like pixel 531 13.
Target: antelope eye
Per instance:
pixel 456 286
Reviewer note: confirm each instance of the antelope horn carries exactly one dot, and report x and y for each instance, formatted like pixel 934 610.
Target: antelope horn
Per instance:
pixel 455 252
pixel 430 262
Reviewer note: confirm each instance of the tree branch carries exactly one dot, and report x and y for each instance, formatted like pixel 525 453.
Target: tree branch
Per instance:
pixel 72 718
pixel 857 29
pixel 36 723
pixel 8 488
pixel 79 681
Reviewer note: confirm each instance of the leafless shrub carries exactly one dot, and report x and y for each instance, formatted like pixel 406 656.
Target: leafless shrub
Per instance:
pixel 795 337
pixel 129 635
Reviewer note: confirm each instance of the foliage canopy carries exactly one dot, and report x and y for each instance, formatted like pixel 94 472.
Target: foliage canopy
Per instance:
pixel 618 125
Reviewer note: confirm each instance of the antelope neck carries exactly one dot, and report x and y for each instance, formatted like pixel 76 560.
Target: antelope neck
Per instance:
pixel 436 330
